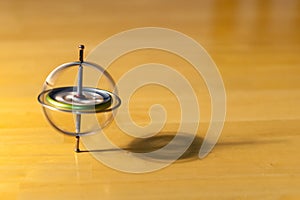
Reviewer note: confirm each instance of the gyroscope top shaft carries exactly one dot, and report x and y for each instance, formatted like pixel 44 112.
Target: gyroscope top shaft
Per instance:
pixel 80 71
pixel 79 92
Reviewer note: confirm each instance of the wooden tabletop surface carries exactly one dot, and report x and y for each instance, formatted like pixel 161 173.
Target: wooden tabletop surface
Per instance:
pixel 256 46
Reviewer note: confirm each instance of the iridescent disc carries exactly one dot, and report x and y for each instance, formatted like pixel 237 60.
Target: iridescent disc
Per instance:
pixel 66 98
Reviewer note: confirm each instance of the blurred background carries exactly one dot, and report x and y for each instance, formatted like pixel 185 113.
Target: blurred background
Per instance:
pixel 254 43
pixel 247 37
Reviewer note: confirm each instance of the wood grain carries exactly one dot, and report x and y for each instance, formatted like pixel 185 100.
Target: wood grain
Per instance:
pixel 255 44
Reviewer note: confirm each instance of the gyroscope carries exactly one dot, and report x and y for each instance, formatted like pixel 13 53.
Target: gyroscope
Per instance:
pixel 78 98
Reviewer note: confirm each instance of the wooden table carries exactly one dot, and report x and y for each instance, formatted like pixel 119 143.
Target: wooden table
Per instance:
pixel 256 46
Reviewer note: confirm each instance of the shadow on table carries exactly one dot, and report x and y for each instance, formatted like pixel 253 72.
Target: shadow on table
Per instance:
pixel 164 146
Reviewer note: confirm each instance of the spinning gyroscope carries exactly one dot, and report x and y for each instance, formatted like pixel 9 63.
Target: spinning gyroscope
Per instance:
pixel 73 102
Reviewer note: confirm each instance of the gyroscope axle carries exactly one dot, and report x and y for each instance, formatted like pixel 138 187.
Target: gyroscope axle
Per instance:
pixel 79 95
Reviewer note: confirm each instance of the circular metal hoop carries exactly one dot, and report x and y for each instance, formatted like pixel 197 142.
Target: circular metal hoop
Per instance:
pixel 81 102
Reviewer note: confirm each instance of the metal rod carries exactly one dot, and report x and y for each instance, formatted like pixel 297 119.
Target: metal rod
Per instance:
pixel 79 85
pixel 79 95
pixel 81 48
pixel 78 123
pixel 77 149
pixel 80 72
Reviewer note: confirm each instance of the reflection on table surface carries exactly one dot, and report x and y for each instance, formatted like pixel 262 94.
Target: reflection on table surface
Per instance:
pixel 256 46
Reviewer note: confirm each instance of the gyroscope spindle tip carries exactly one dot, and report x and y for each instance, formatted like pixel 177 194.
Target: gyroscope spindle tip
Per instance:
pixel 81 48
